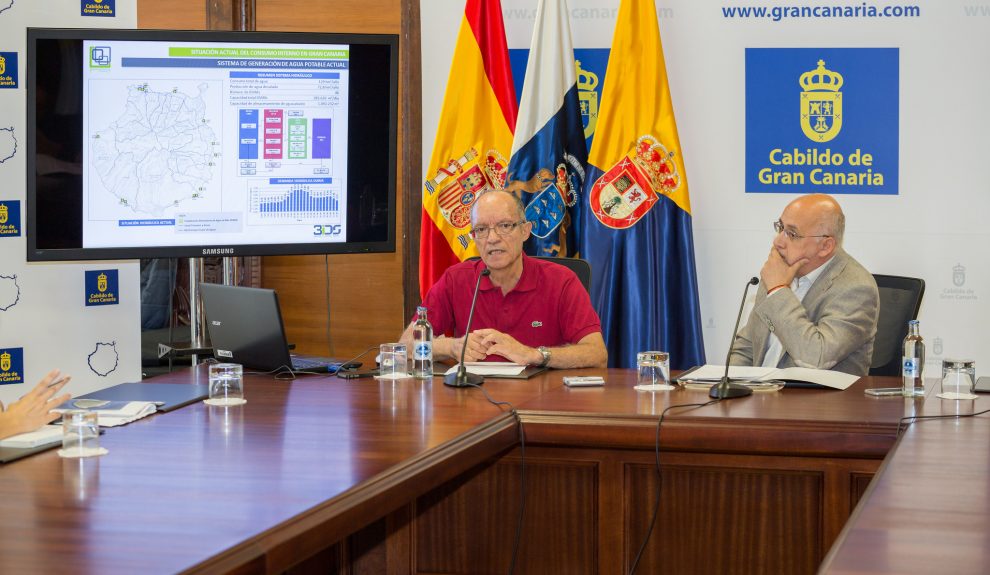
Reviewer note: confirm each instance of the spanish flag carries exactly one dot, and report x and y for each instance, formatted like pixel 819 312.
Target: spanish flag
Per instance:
pixel 473 142
pixel 638 235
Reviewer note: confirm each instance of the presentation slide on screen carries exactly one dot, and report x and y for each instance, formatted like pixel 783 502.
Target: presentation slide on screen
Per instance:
pixel 214 143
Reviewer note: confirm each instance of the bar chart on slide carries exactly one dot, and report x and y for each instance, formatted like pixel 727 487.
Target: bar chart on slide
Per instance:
pixel 294 200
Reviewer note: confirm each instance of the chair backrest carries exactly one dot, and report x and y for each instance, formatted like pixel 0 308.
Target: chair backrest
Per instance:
pixel 900 300
pixel 580 267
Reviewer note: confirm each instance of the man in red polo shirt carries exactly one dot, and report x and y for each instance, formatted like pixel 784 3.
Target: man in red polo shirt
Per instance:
pixel 529 311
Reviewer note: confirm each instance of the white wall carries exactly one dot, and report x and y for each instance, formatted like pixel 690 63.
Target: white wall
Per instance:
pixel 49 320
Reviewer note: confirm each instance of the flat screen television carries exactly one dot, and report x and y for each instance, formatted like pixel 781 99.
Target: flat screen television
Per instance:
pixel 154 143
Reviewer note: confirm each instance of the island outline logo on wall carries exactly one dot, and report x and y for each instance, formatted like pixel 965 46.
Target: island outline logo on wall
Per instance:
pixel 104 358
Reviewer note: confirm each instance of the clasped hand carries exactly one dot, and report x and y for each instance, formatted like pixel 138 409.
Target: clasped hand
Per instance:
pixel 485 342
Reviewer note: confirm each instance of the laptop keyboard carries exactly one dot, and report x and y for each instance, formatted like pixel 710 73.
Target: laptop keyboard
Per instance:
pixel 307 364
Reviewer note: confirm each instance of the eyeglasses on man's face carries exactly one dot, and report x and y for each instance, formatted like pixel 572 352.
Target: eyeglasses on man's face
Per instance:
pixel 778 227
pixel 501 228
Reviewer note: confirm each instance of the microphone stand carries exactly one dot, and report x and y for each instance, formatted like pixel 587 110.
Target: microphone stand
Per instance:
pixel 462 378
pixel 726 388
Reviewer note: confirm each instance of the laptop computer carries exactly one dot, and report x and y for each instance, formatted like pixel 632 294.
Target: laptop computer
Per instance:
pixel 245 326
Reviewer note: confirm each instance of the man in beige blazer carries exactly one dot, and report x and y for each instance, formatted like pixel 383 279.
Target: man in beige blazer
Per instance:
pixel 816 306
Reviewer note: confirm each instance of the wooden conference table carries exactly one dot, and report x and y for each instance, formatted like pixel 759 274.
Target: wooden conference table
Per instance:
pixel 361 476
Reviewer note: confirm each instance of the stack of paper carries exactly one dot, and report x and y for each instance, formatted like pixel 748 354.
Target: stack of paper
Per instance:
pixel 111 413
pixel 492 368
pixel 823 377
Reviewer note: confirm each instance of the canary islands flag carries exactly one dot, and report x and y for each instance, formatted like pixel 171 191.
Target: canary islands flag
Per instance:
pixel 638 234
pixel 549 153
pixel 474 138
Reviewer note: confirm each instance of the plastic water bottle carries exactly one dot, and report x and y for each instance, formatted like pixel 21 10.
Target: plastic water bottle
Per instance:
pixel 913 362
pixel 422 346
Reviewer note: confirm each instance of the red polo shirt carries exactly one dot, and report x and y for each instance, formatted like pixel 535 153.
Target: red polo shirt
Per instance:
pixel 548 306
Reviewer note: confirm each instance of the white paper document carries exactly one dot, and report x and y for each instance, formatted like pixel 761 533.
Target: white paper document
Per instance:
pixel 824 377
pixel 492 368
pixel 111 413
pixel 44 435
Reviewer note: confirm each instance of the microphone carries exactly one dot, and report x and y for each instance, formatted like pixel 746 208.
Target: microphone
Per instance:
pixel 462 378
pixel 726 389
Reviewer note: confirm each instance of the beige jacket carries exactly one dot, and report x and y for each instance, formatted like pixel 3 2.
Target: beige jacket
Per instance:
pixel 833 328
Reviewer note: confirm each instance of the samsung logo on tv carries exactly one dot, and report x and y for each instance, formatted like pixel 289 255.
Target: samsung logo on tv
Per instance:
pixel 218 251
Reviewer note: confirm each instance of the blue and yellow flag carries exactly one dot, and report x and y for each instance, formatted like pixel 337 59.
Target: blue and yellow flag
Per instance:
pixel 638 234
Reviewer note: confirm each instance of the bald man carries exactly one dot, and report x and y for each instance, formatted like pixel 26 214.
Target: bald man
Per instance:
pixel 529 311
pixel 816 306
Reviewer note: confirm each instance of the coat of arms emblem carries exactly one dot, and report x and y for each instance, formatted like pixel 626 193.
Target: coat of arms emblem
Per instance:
pixel 587 82
pixel 821 103
pixel 461 181
pixel 959 275
pixel 627 191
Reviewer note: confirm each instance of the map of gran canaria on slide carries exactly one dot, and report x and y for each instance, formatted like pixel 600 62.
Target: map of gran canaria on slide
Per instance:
pixel 188 144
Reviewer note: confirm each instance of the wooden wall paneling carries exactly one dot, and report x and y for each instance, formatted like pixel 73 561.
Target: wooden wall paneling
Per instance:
pixel 809 496
pixel 857 486
pixel 172 14
pixel 399 541
pixel 230 14
pixel 469 525
pixel 367 549
pixel 330 561
pixel 365 16
pixel 588 510
pixel 366 290
pixel 365 301
pixel 611 502
pixel 412 174
pixel 715 502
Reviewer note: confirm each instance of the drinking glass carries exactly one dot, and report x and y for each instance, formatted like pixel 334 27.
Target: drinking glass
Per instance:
pixel 654 371
pixel 81 434
pixel 958 379
pixel 226 384
pixel 392 361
